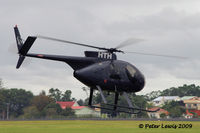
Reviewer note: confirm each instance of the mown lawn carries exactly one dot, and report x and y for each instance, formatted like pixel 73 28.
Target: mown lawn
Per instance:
pixel 91 126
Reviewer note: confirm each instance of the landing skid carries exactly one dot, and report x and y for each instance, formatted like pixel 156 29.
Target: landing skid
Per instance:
pixel 114 107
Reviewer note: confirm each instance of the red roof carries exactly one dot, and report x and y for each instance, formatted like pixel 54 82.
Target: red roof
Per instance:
pixel 65 105
pixel 70 104
pixel 153 109
pixel 159 111
pixel 188 113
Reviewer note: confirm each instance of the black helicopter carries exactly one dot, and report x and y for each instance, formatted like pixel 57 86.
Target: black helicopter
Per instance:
pixel 99 70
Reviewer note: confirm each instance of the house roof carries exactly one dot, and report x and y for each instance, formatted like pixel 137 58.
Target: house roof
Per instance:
pixel 186 97
pixel 166 98
pixel 153 109
pixel 65 105
pixel 73 105
pixel 193 100
pixel 159 111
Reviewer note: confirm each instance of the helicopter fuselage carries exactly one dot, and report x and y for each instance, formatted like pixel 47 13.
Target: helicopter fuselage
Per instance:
pixel 110 74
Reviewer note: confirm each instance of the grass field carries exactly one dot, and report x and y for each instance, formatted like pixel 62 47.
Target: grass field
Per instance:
pixel 91 126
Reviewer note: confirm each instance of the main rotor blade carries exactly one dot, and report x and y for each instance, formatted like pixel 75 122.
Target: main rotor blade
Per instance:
pixel 128 42
pixel 70 42
pixel 161 55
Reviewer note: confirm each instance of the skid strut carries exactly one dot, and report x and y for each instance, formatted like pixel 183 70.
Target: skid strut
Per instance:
pixel 91 95
pixel 102 95
pixel 128 100
pixel 116 108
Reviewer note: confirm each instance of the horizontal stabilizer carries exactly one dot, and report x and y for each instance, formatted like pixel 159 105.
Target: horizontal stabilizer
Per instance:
pixel 20 60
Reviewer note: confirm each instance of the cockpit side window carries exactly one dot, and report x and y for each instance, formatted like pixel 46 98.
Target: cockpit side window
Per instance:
pixel 114 71
pixel 131 70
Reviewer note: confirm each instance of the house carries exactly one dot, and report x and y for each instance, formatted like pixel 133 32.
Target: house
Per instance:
pixel 193 105
pixel 158 113
pixel 161 100
pixel 69 104
pixel 80 111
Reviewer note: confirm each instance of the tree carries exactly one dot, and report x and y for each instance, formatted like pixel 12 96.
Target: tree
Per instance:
pixel 67 96
pixel 176 112
pixel 152 95
pixel 58 96
pixel 31 112
pixel 43 93
pixel 2 105
pixel 174 108
pixel 140 102
pixel 53 106
pixel 68 112
pixel 55 94
pixel 1 84
pixel 41 101
pixel 85 89
pixel 17 99
pixel 163 115
pixel 185 90
pixel 13 101
pixel 50 113
pixel 80 102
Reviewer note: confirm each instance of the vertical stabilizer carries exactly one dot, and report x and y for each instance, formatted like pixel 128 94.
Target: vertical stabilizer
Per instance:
pixel 23 48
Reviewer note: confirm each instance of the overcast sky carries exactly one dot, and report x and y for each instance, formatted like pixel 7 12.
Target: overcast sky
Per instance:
pixel 167 26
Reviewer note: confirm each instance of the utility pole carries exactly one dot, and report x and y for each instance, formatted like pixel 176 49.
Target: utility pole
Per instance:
pixel 3 114
pixel 8 110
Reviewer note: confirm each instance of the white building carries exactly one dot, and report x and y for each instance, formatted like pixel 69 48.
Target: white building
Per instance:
pixel 80 111
pixel 161 100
